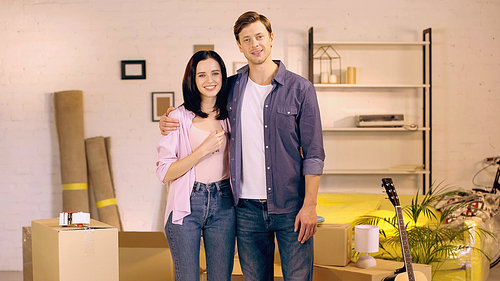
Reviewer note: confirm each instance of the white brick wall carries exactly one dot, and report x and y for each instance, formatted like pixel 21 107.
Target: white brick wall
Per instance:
pixel 56 45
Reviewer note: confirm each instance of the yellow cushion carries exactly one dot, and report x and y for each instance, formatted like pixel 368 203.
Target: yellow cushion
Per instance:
pixel 386 214
pixel 344 213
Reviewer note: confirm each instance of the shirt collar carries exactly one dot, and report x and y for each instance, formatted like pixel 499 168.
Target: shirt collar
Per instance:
pixel 280 74
pixel 279 77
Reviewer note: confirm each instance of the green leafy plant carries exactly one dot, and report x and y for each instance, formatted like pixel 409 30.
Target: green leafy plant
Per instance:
pixel 431 243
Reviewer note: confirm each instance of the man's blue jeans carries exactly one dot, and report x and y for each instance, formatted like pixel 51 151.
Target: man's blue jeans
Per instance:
pixel 255 234
pixel 212 214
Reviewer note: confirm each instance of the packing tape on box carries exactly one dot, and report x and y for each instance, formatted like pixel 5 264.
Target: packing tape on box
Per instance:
pixel 75 186
pixel 89 243
pixel 106 202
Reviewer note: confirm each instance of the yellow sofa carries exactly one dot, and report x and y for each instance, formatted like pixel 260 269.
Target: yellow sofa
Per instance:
pixel 345 208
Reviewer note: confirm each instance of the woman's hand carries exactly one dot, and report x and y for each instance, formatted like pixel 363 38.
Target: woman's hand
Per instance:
pixel 212 143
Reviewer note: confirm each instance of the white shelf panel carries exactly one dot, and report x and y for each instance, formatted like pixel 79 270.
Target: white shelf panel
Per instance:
pixel 371 172
pixel 371 85
pixel 370 43
pixel 373 129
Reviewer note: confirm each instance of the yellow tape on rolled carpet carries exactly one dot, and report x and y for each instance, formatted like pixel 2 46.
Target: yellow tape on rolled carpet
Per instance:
pixel 75 186
pixel 107 202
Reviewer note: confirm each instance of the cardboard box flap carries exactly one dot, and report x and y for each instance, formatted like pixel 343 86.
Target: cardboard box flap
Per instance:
pixel 144 256
pixel 54 223
pixel 131 239
pixel 383 269
pixel 325 225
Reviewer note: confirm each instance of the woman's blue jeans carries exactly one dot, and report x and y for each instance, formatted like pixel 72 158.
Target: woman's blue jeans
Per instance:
pixel 213 216
pixel 255 234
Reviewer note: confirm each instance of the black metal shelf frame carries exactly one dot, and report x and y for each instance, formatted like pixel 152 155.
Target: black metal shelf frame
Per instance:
pixel 427 100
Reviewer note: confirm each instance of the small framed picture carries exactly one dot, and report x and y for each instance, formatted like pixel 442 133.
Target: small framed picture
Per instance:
pixel 197 48
pixel 161 102
pixel 133 69
pixel 238 64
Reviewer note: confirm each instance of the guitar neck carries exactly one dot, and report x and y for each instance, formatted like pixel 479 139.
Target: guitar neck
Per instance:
pixel 404 244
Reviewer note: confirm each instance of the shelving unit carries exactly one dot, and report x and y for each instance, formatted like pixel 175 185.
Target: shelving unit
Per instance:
pixel 388 129
pixel 421 94
pixel 369 86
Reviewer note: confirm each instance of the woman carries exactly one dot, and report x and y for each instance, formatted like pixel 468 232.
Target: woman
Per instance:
pixel 194 159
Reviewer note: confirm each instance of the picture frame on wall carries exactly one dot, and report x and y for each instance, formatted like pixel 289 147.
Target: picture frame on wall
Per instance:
pixel 133 69
pixel 197 48
pixel 238 64
pixel 161 102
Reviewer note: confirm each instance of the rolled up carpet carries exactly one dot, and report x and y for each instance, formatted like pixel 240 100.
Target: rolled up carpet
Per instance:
pixel 107 142
pixel 100 178
pixel 68 107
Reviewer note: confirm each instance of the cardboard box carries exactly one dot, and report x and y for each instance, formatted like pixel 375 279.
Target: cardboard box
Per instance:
pixel 144 256
pixel 27 250
pixel 73 253
pixel 350 272
pixel 333 244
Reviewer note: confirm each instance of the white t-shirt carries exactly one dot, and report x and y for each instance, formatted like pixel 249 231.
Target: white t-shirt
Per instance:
pixel 253 178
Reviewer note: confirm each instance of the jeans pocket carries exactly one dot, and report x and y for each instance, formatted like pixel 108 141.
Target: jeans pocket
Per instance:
pixel 226 197
pixel 225 191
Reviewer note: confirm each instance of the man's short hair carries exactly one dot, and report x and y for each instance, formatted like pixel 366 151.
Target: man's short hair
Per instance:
pixel 249 18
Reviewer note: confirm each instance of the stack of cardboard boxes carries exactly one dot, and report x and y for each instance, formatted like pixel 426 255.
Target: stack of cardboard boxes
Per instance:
pixel 332 246
pixel 332 258
pixel 100 252
pixel 95 252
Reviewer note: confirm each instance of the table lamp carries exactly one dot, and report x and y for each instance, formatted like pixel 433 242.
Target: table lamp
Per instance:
pixel 366 241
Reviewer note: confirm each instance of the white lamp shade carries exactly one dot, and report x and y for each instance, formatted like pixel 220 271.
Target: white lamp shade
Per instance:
pixel 366 238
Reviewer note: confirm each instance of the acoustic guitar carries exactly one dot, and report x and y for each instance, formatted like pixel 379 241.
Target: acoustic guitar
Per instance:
pixel 405 273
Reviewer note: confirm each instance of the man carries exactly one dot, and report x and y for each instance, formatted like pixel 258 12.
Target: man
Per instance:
pixel 276 157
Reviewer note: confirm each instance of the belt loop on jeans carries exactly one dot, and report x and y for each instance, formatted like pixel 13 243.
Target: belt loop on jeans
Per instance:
pixel 197 186
pixel 217 185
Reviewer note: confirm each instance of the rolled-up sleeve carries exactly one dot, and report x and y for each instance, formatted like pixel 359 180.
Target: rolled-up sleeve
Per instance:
pixel 169 147
pixel 168 153
pixel 311 134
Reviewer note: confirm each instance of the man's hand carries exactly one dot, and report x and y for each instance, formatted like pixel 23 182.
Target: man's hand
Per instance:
pixel 306 223
pixel 168 124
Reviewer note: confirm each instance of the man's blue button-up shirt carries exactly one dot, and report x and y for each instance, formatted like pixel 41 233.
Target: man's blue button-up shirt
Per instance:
pixel 293 138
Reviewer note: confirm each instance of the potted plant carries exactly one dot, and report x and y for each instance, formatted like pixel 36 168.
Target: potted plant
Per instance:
pixel 434 242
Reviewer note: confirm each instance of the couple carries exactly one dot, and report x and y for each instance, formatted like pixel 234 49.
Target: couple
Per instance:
pixel 263 123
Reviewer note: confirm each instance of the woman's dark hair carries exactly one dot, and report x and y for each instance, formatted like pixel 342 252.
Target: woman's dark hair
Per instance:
pixel 190 92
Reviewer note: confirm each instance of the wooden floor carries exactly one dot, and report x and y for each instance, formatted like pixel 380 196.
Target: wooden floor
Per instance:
pixel 18 275
pixel 494 273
